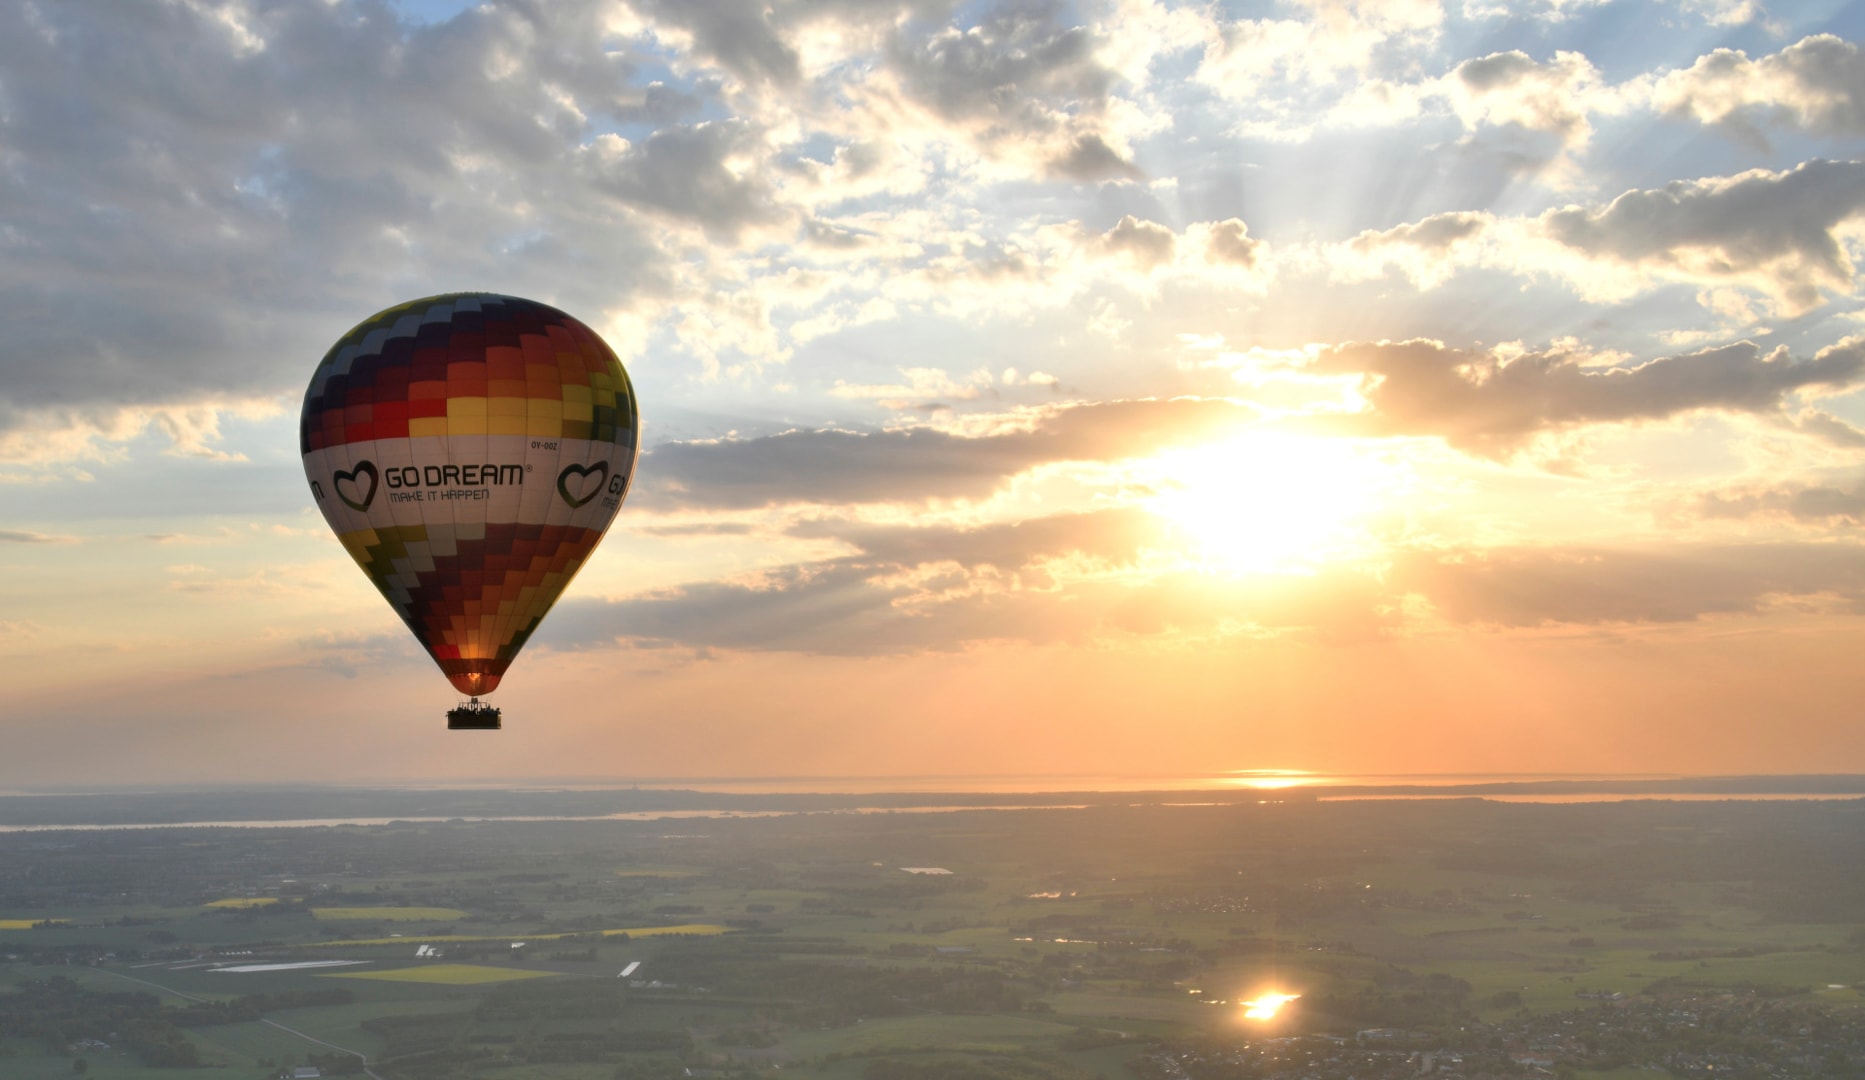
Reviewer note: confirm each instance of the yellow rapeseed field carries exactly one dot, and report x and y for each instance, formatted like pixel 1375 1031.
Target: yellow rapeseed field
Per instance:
pixel 25 924
pixel 391 914
pixel 445 974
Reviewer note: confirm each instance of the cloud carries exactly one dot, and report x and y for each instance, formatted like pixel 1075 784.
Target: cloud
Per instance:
pixel 1147 243
pixel 1426 251
pixel 349 653
pixel 685 172
pixel 1022 83
pixel 1725 12
pixel 720 528
pixel 1063 578
pixel 196 210
pixel 1243 56
pixel 17 536
pixel 1518 587
pixel 39 437
pixel 1109 535
pixel 1779 235
pixel 924 386
pixel 19 630
pixel 1824 504
pixel 1553 11
pixel 739 37
pixel 1089 159
pixel 1227 242
pixel 1816 85
pixel 1826 427
pixel 1082 578
pixel 1511 88
pixel 1491 402
pixel 1526 115
pixel 1772 231
pixel 917 463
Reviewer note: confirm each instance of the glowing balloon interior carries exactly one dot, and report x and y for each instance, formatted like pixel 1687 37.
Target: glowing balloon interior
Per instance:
pixel 469 451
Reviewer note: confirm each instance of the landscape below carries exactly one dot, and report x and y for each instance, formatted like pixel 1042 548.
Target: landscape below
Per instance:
pixel 1065 936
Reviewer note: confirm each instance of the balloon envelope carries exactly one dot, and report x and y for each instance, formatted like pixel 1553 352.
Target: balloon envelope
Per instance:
pixel 469 450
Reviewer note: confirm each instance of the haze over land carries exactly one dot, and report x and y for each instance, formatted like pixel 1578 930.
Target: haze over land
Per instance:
pixel 1114 387
pixel 1121 941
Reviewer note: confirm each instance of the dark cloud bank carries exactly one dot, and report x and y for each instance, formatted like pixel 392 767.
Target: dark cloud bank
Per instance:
pixel 1479 401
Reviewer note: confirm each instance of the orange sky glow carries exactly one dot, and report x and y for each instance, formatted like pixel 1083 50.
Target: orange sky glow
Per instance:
pixel 1344 389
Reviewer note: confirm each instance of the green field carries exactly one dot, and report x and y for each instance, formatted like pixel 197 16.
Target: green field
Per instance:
pixel 388 914
pixel 441 974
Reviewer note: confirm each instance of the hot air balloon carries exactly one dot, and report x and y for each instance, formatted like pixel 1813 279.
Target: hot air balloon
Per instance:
pixel 469 450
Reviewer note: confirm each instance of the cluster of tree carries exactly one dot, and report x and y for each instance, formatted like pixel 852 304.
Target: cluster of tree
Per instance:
pixel 252 1006
pixel 61 1012
pixel 547 1022
pixel 420 1033
pixel 1398 998
pixel 565 1047
pixel 911 887
pixel 650 1068
pixel 836 996
pixel 81 952
pixel 547 999
pixel 970 1067
pixel 449 1062
pixel 1086 1038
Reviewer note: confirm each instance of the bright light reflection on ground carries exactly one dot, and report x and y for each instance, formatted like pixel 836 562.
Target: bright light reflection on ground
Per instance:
pixel 1266 1006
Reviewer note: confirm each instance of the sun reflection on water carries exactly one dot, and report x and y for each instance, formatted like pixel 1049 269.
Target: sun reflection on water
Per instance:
pixel 1265 1006
pixel 1270 779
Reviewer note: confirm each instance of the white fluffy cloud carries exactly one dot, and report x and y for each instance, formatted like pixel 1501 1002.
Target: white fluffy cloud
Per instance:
pixel 1780 237
pixel 202 195
pixel 1816 85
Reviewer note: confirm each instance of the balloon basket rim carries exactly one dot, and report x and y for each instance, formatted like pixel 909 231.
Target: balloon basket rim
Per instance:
pixel 474 716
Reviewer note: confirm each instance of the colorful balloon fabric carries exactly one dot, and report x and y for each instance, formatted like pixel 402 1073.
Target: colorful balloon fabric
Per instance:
pixel 469 450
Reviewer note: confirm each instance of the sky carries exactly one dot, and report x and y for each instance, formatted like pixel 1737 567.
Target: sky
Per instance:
pixel 1112 387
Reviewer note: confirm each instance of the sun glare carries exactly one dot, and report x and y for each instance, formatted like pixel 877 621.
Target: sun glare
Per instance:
pixel 1265 1006
pixel 1266 502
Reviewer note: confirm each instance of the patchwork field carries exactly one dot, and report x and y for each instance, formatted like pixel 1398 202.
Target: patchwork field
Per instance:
pixel 1064 944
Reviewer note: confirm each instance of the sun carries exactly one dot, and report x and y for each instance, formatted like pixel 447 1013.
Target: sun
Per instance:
pixel 1271 502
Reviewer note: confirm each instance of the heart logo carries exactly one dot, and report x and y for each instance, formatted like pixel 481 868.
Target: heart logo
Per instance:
pixel 368 494
pixel 600 470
